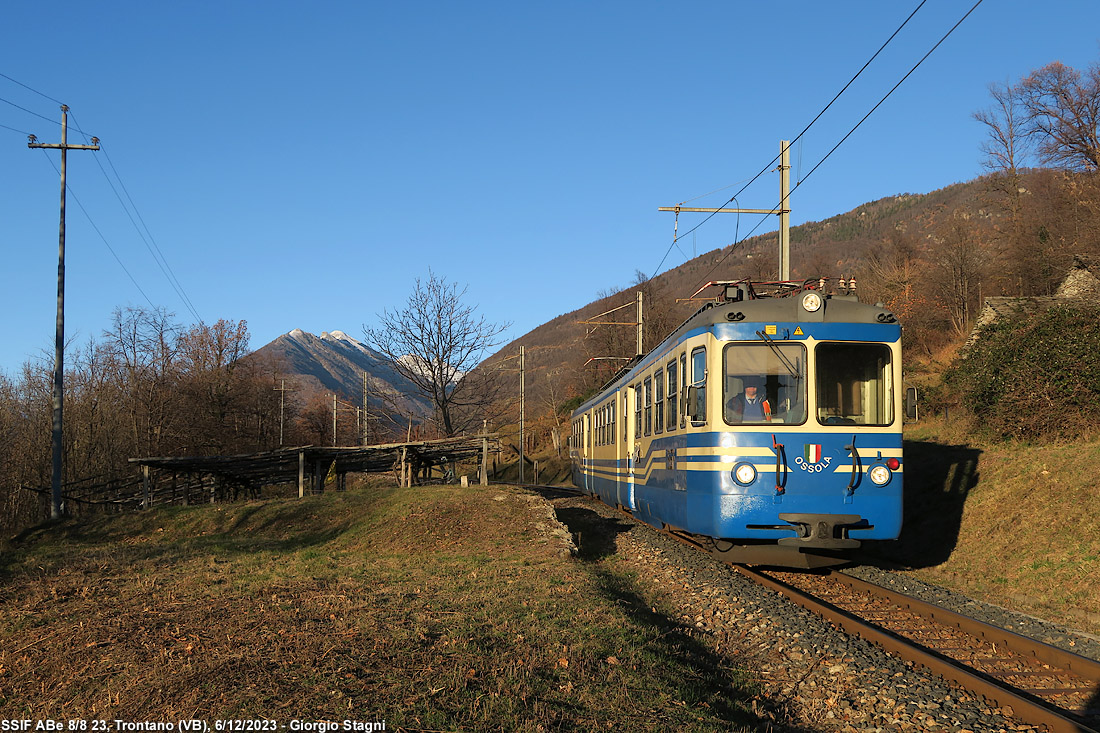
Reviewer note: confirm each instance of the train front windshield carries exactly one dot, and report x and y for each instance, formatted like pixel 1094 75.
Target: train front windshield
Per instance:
pixel 765 383
pixel 854 384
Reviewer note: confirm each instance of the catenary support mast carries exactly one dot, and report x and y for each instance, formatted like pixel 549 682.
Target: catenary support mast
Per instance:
pixel 783 210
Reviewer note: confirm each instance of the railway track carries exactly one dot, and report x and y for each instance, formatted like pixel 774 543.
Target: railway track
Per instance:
pixel 1042 684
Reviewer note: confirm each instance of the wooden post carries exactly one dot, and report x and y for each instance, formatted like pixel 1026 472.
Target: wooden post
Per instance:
pixel 404 466
pixel 301 474
pixel 484 461
pixel 146 499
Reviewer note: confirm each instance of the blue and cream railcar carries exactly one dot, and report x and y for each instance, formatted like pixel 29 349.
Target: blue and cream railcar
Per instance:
pixel 797 482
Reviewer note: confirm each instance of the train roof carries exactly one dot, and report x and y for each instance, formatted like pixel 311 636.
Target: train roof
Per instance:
pixel 747 302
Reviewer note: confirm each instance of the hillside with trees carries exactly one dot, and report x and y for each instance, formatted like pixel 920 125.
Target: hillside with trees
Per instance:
pixel 151 387
pixel 932 258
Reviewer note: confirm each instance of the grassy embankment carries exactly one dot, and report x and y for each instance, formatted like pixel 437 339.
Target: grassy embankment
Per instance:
pixel 1009 523
pixel 431 608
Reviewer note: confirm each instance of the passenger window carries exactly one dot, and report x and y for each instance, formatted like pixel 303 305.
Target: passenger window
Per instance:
pixel 611 421
pixel 698 410
pixel 647 385
pixel 672 395
pixel 683 388
pixel 659 402
pixel 637 411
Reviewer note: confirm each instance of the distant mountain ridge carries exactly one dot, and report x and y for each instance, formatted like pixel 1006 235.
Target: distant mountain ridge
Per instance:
pixel 337 363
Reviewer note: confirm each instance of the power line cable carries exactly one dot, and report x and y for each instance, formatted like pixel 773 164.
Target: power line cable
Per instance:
pixel 23 132
pixel 16 81
pixel 154 249
pixel 30 112
pixel 150 243
pixel 97 231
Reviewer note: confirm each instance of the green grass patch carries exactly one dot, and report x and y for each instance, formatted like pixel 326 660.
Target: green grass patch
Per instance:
pixel 435 608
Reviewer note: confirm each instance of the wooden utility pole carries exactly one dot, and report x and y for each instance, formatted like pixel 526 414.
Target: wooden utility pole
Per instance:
pixel 59 341
pixel 522 415
pixel 366 389
pixel 282 390
pixel 638 347
pixel 783 211
pixel 333 419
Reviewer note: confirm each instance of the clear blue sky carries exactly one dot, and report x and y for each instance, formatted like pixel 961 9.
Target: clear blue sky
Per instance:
pixel 299 165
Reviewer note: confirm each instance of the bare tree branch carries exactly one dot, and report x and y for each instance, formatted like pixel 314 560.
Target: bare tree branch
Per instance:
pixel 435 341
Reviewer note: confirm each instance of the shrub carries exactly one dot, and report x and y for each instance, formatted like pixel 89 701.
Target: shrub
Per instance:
pixel 1034 377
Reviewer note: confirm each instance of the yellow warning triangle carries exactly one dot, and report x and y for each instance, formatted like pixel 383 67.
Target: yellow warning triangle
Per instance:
pixel 798 331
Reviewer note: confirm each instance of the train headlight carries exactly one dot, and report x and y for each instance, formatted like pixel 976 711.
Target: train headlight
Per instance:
pixel 744 473
pixel 880 475
pixel 811 301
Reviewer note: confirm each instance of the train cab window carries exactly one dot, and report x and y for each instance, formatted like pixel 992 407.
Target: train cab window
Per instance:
pixel 659 402
pixel 647 388
pixel 854 384
pixel 764 383
pixel 698 410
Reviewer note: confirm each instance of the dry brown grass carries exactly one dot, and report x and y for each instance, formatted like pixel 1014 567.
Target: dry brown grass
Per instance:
pixel 432 608
pixel 1009 523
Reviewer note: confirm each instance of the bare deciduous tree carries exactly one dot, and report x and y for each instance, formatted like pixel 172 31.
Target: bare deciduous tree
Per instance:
pixel 959 267
pixel 435 341
pixel 1062 108
pixel 1005 122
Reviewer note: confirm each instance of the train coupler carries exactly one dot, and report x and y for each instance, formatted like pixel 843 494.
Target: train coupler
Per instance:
pixel 823 531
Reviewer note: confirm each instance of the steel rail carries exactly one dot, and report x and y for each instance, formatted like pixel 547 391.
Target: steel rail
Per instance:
pixel 1023 708
pixel 1025 646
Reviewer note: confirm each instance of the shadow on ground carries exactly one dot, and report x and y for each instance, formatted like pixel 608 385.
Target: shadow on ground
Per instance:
pixel 938 481
pixel 706 678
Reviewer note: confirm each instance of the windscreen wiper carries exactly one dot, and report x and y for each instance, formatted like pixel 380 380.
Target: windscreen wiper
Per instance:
pixel 791 368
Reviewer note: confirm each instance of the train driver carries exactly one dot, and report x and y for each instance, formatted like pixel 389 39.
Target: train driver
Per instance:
pixel 751 405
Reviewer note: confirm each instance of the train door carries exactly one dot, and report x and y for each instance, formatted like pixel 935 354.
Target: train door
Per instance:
pixel 586 455
pixel 626 449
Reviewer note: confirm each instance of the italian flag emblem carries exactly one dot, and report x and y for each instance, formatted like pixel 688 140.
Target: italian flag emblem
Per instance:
pixel 813 453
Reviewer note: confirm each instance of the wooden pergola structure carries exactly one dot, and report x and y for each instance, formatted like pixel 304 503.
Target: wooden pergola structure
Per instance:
pixel 174 478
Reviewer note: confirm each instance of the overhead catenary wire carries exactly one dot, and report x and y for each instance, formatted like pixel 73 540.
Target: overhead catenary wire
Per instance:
pixel 798 137
pixel 852 130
